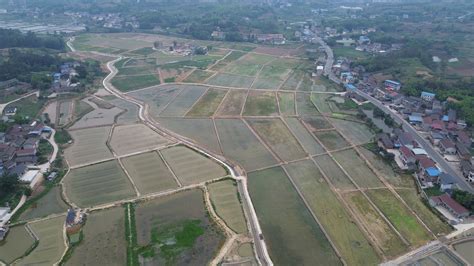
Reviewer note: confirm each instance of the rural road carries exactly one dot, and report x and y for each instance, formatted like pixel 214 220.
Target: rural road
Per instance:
pixel 260 246
pixel 3 105
pixel 45 167
pixel 444 165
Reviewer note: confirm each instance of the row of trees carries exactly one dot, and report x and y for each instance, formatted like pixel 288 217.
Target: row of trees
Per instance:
pixel 14 38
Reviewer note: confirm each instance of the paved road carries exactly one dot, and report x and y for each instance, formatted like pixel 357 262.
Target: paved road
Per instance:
pixel 442 163
pixel 262 254
pixel 3 105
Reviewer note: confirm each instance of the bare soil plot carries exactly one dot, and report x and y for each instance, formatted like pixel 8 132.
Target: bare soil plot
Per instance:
pixel 334 173
pixel 231 80
pixel 183 214
pixel 287 236
pixel 98 184
pixel 50 203
pixel 98 117
pixel 181 104
pixel 191 167
pixel 198 76
pixel 399 216
pixel 227 205
pixel 125 139
pixel 278 69
pixel 304 137
pixel 51 242
pixel 286 102
pixel 357 169
pixel 386 238
pixel 387 171
pixel 131 111
pixel 157 98
pixel 130 83
pixel 201 130
pixel 208 103
pixel 51 110
pixel 316 123
pixel 331 139
pixel 65 112
pixel 18 242
pixel 339 225
pixel 275 133
pixel 248 65
pixel 104 240
pixel 89 146
pixel 423 210
pixel 241 145
pixel 261 104
pixel 272 50
pixel 149 172
pixel 304 105
pixel 233 103
pixel 357 133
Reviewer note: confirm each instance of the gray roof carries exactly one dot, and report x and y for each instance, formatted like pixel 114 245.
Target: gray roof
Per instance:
pixel 446 179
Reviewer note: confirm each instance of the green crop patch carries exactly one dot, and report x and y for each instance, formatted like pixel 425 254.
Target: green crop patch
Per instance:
pixel 261 104
pixel 207 104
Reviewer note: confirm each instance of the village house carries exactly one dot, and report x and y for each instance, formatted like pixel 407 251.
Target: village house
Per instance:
pixel 427 96
pixel 446 182
pixel 384 142
pixel 467 170
pixel 445 201
pixel 462 151
pixel 407 157
pixel 392 85
pixel 405 139
pixel 427 170
pixel 447 146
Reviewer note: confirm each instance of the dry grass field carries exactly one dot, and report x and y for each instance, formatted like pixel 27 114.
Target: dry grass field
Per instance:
pixel 124 139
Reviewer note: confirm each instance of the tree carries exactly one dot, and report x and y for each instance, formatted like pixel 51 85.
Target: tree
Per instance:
pixel 464 198
pixel 8 183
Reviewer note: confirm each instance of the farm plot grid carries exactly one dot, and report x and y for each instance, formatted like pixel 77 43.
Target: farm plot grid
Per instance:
pixel 124 139
pixel 98 184
pixel 157 98
pixel 183 102
pixel 191 167
pixel 89 146
pixel 149 173
pixel 16 244
pixel 208 104
pixel 261 104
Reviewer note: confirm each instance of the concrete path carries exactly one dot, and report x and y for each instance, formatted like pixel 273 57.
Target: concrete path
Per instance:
pixel 3 105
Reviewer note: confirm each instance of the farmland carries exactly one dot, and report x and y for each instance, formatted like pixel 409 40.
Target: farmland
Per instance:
pixel 130 83
pixel 98 117
pixel 359 171
pixel 98 184
pixel 16 245
pixel 124 139
pixel 200 130
pixel 287 235
pixel 335 174
pixel 191 167
pixel 227 205
pixel 51 203
pixel 149 173
pixel 332 214
pixel 332 140
pixel 89 146
pixel 304 137
pixel 104 239
pixel 260 104
pixel 233 103
pixel 239 144
pixel 287 103
pixel 51 245
pixel 208 104
pixel 181 104
pixel 275 133
pixel 180 217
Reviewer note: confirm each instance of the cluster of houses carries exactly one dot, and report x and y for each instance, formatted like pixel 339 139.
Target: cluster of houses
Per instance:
pixel 410 156
pixel 364 44
pixel 18 151
pixel 63 79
